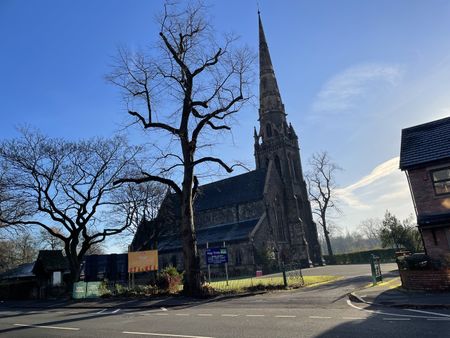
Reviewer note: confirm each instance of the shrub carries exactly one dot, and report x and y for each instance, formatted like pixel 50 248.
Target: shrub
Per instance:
pixel 169 279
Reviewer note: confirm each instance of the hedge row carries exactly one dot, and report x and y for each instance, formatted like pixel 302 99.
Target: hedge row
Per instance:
pixel 362 257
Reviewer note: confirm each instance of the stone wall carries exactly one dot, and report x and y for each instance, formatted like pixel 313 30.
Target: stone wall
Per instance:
pixel 426 279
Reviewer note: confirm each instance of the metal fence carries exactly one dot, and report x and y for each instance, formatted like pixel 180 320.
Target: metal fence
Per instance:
pixel 289 275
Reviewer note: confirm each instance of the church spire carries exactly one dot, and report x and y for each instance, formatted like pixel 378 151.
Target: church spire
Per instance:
pixel 269 94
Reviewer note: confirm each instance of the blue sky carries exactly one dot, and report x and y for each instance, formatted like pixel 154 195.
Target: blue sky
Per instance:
pixel 352 74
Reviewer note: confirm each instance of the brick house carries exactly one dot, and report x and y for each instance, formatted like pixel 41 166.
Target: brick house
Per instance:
pixel 265 212
pixel 425 158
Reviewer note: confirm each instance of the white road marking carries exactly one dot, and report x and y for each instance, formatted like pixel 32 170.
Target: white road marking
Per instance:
pixel 163 308
pixel 204 314
pixel 354 318
pixel 382 312
pixel 285 316
pixel 115 311
pixel 49 327
pixel 429 313
pixel 254 315
pixel 182 314
pixel 161 314
pixel 163 334
pixel 101 311
pixel 319 317
pixel 439 319
pixel 229 315
pixel 396 319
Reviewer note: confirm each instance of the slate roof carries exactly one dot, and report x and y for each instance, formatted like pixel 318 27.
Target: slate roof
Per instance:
pixel 425 143
pixel 215 234
pixel 238 189
pixel 22 271
pixel 51 260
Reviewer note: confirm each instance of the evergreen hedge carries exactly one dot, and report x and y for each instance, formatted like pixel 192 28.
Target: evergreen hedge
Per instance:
pixel 362 257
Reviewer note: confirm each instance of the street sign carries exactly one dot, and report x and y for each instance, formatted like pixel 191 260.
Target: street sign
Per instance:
pixel 216 255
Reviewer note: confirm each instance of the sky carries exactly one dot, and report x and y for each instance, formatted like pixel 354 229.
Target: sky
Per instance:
pixel 351 73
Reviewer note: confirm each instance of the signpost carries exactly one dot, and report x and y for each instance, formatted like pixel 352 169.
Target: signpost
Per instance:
pixel 217 256
pixel 376 269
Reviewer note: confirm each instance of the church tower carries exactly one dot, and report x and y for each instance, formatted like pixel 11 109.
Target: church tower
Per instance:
pixel 276 145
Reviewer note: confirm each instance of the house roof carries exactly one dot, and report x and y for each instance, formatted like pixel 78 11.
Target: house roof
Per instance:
pixel 22 271
pixel 51 260
pixel 214 234
pixel 425 143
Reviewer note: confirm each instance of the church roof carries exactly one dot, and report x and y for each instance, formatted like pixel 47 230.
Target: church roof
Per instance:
pixel 425 143
pixel 238 189
pixel 215 234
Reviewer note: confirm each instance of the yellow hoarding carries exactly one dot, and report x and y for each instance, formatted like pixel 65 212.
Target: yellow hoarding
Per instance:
pixel 140 261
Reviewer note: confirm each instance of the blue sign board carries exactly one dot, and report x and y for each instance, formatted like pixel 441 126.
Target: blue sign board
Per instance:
pixel 216 255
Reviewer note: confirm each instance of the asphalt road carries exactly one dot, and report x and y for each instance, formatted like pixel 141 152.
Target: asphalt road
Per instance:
pixel 322 311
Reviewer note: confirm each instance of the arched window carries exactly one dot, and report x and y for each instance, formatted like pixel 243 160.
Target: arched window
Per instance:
pixel 238 258
pixel 268 130
pixel 173 261
pixel 278 165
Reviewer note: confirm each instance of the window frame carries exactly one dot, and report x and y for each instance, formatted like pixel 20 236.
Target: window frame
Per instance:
pixel 439 181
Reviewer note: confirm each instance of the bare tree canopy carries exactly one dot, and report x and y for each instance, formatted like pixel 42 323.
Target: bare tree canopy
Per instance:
pixel 322 191
pixel 189 88
pixel 66 188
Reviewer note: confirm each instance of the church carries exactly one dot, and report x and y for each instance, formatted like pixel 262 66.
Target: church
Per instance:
pixel 264 216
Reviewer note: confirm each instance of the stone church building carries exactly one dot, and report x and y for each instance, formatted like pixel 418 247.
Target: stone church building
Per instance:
pixel 263 216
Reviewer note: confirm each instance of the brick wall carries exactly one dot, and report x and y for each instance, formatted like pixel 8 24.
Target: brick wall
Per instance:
pixel 423 191
pixel 437 242
pixel 425 279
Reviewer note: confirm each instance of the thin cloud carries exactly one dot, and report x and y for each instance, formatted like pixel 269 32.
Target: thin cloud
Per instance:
pixel 348 194
pixel 342 92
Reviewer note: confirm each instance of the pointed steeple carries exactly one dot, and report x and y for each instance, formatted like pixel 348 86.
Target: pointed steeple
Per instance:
pixel 269 94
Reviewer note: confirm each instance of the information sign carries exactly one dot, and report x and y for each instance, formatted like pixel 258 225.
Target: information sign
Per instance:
pixel 216 255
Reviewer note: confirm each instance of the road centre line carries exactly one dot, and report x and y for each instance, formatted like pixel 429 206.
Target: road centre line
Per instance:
pixel 229 315
pixel 162 334
pixel 354 318
pixel 319 317
pixel 439 319
pixel 285 316
pixel 254 315
pixel 101 311
pixel 161 314
pixel 182 314
pixel 49 327
pixel 396 319
pixel 204 314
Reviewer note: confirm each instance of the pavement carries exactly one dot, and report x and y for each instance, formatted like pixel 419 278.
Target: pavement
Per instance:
pixel 389 293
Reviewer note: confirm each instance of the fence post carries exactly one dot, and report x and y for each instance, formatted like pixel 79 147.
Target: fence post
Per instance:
pixel 284 275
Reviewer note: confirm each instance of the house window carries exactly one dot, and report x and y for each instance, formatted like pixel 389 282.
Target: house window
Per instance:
pixel 441 181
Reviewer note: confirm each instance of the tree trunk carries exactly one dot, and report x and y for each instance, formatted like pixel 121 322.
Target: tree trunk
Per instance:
pixel 192 280
pixel 327 238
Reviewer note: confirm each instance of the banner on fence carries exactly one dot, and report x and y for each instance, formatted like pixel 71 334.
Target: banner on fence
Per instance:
pixel 140 261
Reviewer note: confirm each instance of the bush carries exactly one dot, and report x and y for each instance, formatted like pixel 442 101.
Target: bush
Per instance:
pixel 362 257
pixel 417 261
pixel 169 279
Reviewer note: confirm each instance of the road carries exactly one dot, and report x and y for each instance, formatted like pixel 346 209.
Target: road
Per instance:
pixel 322 311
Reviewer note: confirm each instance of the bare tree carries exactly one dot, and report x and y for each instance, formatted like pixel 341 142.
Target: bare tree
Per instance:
pixel 371 229
pixel 48 241
pixel 66 188
pixel 322 188
pixel 189 90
